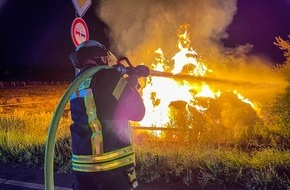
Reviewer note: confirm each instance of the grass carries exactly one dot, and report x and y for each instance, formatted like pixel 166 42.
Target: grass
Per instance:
pixel 23 135
pixel 215 168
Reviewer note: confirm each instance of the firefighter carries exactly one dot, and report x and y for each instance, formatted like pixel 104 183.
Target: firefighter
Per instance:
pixel 102 152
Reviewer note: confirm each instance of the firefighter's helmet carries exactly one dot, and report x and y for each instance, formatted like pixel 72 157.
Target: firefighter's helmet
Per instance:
pixel 89 49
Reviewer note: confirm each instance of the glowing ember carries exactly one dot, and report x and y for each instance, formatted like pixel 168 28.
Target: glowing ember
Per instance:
pixel 159 92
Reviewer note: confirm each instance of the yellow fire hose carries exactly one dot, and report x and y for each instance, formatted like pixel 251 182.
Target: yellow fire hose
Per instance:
pixel 51 138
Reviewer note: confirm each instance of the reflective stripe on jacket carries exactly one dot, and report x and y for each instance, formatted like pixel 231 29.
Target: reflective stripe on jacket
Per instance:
pixel 104 162
pixel 101 136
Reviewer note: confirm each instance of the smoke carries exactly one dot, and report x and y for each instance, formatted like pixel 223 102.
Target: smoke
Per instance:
pixel 146 25
pixel 138 28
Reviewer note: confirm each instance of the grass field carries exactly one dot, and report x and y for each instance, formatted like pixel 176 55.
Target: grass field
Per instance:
pixel 26 112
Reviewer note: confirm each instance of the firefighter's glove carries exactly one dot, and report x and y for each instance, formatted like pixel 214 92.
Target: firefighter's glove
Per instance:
pixel 141 71
pixel 133 81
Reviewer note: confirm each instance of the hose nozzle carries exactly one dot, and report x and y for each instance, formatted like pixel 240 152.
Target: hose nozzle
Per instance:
pixel 140 70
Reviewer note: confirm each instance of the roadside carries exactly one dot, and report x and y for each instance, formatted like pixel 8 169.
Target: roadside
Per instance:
pixel 20 178
pixel 17 177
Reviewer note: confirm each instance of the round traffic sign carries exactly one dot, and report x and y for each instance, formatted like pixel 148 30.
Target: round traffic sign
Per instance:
pixel 79 31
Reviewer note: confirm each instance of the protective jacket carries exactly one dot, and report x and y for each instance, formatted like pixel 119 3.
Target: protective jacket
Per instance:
pixel 101 109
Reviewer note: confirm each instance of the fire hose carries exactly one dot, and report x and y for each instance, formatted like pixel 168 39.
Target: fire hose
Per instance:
pixel 50 142
pixel 143 71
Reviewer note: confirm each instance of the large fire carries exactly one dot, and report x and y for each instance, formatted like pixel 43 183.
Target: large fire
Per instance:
pixel 160 92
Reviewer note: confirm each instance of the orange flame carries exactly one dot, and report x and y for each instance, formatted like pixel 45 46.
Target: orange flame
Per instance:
pixel 159 92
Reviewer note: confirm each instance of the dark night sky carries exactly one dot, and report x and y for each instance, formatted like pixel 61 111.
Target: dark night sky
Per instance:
pixel 35 35
pixel 36 41
pixel 258 22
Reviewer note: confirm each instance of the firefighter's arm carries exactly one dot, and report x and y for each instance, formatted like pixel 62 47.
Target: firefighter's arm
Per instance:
pixel 133 81
pixel 116 97
pixel 130 103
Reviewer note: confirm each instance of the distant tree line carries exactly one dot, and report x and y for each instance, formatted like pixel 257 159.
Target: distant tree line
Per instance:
pixel 8 84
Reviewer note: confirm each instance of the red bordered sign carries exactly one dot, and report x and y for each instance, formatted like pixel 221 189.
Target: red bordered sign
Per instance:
pixel 79 31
